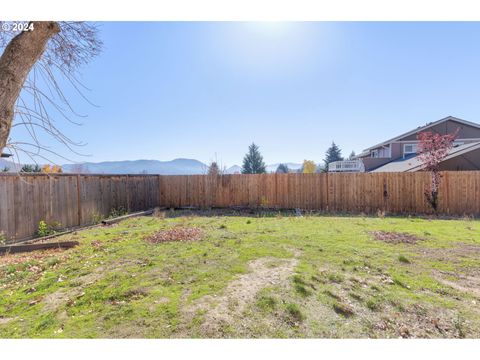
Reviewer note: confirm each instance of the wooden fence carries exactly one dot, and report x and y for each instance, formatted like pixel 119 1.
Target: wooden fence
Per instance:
pixel 74 200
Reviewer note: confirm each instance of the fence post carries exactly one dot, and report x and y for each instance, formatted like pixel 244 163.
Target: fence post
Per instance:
pixel 159 190
pixel 79 202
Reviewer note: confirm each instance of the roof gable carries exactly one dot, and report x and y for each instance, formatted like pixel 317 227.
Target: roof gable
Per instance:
pixel 426 126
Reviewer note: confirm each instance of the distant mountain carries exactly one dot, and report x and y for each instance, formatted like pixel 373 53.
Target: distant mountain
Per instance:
pixel 235 169
pixel 291 166
pixel 173 167
pixel 12 167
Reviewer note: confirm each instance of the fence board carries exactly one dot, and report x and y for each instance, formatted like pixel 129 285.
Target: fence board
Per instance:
pixel 73 200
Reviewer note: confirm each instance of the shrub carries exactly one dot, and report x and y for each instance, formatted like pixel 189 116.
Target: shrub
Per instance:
pixel 403 259
pixel 44 229
pixel 117 212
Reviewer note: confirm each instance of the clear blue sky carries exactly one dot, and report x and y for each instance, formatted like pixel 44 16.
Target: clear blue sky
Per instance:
pixel 193 90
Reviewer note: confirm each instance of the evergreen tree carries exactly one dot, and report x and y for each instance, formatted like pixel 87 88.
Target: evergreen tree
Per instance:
pixel 282 169
pixel 333 154
pixel 253 161
pixel 31 168
pixel 352 155
pixel 213 169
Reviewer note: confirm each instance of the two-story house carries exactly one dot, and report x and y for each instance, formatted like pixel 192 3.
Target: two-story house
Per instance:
pixel 399 154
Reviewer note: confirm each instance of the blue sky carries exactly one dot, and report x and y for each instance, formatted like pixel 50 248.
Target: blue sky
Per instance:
pixel 205 90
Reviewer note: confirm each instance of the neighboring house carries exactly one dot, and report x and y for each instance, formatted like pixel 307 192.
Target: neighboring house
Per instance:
pixel 399 154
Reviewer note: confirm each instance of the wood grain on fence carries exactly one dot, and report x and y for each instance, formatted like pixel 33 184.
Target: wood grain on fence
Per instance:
pixel 76 200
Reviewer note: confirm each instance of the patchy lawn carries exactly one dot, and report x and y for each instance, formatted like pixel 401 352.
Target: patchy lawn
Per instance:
pixel 250 276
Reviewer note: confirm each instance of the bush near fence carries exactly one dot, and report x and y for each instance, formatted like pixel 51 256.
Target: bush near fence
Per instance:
pixel 76 200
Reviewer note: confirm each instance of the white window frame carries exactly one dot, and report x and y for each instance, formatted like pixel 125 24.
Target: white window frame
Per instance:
pixel 414 149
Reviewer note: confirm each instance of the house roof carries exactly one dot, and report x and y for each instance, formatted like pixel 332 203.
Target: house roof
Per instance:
pixel 420 128
pixel 412 162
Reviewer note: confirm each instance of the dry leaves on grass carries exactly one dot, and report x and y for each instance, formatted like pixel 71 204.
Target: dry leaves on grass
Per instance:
pixel 395 237
pixel 20 258
pixel 176 234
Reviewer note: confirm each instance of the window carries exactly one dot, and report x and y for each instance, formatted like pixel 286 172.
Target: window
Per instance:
pixel 383 152
pixel 409 149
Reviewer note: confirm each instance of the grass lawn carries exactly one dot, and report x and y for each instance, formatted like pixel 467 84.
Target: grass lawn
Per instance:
pixel 250 276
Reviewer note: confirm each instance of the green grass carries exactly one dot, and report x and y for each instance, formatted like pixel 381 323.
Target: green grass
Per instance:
pixel 342 282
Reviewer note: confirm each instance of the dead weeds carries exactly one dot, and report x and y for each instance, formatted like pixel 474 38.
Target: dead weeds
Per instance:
pixel 176 234
pixel 391 237
pixel 34 256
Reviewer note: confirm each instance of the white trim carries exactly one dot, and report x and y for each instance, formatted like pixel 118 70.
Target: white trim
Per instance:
pixel 413 141
pixel 420 128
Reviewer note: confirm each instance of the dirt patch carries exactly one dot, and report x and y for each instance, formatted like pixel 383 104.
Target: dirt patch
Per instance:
pixel 227 309
pixel 176 234
pixel 417 321
pixel 453 254
pixel 395 237
pixel 68 296
pixel 460 282
pixel 4 321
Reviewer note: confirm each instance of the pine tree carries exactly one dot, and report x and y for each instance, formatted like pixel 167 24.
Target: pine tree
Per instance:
pixel 282 169
pixel 253 161
pixel 30 168
pixel 352 155
pixel 333 154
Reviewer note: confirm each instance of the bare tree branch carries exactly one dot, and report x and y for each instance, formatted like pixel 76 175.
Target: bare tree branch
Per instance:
pixel 34 67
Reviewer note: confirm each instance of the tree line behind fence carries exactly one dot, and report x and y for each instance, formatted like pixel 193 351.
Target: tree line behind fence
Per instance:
pixel 65 201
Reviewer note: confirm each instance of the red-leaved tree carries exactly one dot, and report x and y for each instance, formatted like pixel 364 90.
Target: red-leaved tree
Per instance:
pixel 432 150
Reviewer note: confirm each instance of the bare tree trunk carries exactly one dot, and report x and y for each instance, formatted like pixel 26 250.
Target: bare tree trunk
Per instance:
pixel 15 63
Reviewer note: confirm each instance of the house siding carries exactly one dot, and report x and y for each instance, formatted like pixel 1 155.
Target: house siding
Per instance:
pixel 449 127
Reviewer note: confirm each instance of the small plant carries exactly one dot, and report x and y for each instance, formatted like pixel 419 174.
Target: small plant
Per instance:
pixel 403 259
pixel 223 226
pixel 117 212
pixel 3 238
pixel 458 323
pixel 249 221
pixel 336 278
pixel 373 304
pixel 294 314
pixel 302 290
pixel 264 202
pixel 44 229
pixel 96 218
pixel 266 303
pixel 158 213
